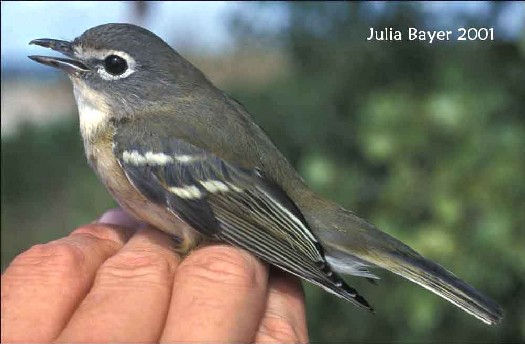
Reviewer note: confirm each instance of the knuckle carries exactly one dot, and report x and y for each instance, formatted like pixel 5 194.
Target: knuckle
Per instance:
pixel 145 265
pixel 103 232
pixel 222 265
pixel 58 257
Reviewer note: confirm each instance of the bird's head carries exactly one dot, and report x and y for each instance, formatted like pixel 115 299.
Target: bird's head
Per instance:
pixel 122 68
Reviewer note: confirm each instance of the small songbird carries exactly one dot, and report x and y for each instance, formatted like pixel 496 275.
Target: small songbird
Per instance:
pixel 181 155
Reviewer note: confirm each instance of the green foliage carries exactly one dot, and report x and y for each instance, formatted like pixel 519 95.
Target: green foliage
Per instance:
pixel 426 141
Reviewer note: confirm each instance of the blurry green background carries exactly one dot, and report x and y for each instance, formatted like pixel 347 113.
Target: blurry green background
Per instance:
pixel 425 141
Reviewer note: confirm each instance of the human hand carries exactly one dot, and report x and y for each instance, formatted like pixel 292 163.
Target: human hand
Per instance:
pixel 117 280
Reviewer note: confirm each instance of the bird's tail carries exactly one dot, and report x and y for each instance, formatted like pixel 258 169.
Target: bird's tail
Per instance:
pixel 347 235
pixel 440 281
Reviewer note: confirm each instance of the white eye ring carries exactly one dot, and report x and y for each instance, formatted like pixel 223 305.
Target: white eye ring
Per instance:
pixel 106 76
pixel 131 65
pixel 101 55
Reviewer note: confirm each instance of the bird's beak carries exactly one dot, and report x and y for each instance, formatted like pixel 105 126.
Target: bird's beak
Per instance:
pixel 69 65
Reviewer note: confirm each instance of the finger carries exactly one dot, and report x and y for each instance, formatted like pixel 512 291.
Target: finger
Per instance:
pixel 43 286
pixel 284 320
pixel 218 296
pixel 131 293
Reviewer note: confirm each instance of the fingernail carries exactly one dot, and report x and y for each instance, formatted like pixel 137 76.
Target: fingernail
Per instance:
pixel 119 217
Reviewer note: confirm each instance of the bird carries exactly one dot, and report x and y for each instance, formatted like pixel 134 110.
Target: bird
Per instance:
pixel 181 155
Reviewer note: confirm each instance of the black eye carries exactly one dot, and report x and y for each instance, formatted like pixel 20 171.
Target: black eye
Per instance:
pixel 115 65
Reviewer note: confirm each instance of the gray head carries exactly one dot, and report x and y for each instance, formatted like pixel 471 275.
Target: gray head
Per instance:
pixel 123 68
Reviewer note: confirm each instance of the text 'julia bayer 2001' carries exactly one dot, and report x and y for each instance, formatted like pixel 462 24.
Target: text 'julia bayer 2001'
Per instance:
pixel 431 36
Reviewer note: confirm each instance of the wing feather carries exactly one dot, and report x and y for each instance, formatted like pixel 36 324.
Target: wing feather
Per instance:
pixel 236 205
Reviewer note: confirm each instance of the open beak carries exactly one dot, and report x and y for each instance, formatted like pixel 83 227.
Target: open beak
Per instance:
pixel 69 65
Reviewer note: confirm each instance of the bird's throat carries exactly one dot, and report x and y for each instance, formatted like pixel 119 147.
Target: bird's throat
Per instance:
pixel 93 111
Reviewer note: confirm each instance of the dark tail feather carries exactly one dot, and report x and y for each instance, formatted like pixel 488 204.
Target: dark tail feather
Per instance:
pixel 346 237
pixel 391 254
pixel 350 294
pixel 442 282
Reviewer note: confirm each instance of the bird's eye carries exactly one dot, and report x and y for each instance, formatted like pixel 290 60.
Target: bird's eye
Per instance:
pixel 115 65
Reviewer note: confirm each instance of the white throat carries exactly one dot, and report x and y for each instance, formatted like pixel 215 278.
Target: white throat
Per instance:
pixel 93 111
